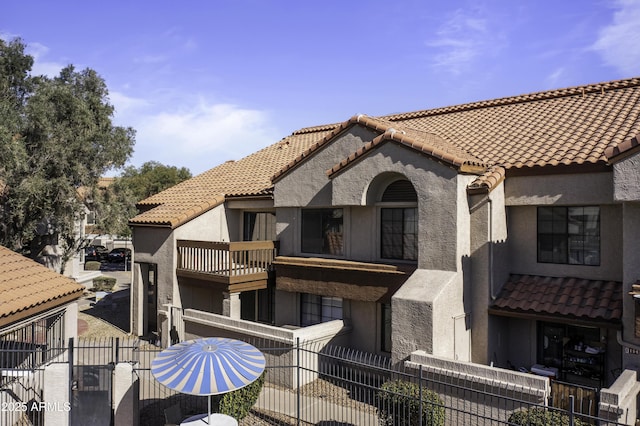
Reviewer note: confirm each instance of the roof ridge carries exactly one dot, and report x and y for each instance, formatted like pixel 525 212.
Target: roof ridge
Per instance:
pixel 527 97
pixel 316 129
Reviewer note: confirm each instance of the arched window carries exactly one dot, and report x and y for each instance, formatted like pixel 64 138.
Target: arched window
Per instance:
pixel 399 223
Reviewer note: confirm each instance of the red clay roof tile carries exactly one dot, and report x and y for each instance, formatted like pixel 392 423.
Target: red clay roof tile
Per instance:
pixel 592 124
pixel 25 285
pixel 582 299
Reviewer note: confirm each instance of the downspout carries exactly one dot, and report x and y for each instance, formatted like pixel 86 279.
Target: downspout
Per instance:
pixel 490 201
pixel 624 343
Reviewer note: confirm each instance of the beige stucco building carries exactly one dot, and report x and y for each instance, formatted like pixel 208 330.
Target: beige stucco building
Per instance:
pixel 504 232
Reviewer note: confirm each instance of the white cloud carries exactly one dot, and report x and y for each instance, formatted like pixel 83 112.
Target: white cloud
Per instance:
pixel 465 36
pixel 199 136
pixel 554 79
pixel 619 42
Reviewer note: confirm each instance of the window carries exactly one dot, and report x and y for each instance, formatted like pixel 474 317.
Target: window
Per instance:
pixel 385 327
pixel 259 226
pixel 317 309
pixel 322 231
pixel 569 235
pixel 399 224
pixel 258 305
pixel 399 233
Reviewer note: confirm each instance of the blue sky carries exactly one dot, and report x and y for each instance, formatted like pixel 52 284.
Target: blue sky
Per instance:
pixel 203 82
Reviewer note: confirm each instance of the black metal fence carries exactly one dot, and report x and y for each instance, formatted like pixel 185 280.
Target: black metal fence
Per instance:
pixel 314 384
pixel 308 383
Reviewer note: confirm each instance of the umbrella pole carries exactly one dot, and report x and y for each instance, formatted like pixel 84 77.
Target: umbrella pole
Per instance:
pixel 209 411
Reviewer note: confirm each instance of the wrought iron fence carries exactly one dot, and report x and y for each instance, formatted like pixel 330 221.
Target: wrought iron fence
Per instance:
pixel 329 385
pixel 307 383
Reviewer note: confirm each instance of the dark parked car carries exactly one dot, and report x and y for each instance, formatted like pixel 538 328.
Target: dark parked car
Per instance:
pixel 96 252
pixel 118 255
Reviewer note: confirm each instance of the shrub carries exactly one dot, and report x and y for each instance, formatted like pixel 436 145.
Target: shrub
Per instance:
pixel 238 403
pixel 92 266
pixel 399 405
pixel 103 283
pixel 538 416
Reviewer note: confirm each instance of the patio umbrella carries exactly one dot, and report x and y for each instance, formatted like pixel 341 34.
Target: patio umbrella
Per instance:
pixel 208 366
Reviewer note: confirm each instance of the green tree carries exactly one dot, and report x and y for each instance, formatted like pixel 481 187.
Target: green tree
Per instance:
pixel 56 137
pixel 151 178
pixel 116 204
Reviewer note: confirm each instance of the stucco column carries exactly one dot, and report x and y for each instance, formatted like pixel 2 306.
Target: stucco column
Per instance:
pixel 231 305
pixel 71 320
pixel 125 395
pixel 56 394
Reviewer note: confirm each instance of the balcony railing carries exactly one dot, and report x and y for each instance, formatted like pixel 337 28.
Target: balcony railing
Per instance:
pixel 226 262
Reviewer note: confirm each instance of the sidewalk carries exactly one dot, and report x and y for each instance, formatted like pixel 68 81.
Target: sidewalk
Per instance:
pixel 108 317
pixel 313 410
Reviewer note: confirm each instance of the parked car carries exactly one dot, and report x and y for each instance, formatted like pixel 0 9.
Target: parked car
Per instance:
pixel 97 252
pixel 118 255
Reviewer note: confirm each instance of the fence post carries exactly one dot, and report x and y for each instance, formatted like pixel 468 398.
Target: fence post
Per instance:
pixel 571 399
pixel 71 385
pixel 420 396
pixel 298 380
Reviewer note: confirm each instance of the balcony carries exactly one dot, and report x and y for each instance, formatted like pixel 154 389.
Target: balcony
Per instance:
pixel 368 282
pixel 241 266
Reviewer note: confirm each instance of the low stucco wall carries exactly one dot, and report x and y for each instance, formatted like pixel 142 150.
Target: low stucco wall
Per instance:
pixel 529 387
pixel 278 344
pixel 618 403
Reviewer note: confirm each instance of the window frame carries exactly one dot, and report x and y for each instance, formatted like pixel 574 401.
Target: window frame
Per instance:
pixel 554 229
pixel 324 237
pixel 403 207
pixel 320 302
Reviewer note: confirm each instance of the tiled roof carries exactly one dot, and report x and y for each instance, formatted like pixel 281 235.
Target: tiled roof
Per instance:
pixel 487 181
pixel 576 298
pixel 586 125
pixel 250 176
pixel 420 141
pixel 28 288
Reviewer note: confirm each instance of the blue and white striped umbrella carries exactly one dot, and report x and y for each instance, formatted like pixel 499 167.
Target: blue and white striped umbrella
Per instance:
pixel 208 366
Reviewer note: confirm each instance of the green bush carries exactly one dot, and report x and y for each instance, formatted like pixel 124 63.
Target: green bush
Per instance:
pixel 238 403
pixel 92 266
pixel 399 405
pixel 538 416
pixel 103 283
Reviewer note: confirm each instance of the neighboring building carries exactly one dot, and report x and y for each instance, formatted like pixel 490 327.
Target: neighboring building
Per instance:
pixel 38 311
pixel 501 232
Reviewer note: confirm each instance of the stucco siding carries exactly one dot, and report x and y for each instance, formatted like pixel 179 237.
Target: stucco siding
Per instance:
pixel 308 185
pixel 523 246
pixel 437 189
pixel 422 310
pixel 566 189
pixel 210 226
pixel 626 179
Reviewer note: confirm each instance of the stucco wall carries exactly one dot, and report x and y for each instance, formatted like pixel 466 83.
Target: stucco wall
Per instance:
pixel 365 324
pixel 437 189
pixel 566 189
pixel 523 246
pixel 630 255
pixel 157 245
pixel 308 185
pixel 151 245
pixel 422 312
pixel 626 179
pixel 488 271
